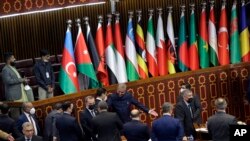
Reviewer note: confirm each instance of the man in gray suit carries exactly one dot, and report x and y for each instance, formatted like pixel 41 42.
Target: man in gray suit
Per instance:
pixel 13 82
pixel 218 124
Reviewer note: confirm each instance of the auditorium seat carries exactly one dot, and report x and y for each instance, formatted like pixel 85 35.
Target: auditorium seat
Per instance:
pixel 27 72
pixel 59 58
pixel 1 66
pixel 24 63
pixel 56 67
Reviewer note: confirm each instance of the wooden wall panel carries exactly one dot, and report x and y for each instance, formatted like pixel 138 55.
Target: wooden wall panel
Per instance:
pixel 25 35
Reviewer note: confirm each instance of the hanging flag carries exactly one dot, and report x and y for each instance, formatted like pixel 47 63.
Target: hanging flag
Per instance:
pixel 223 47
pixel 235 55
pixel 193 49
pixel 110 53
pixel 131 60
pixel 203 39
pixel 171 52
pixel 150 45
pixel 67 75
pixel 183 60
pixel 212 37
pixel 102 73
pixel 140 49
pixel 120 57
pixel 244 35
pixel 161 47
pixel 83 61
pixel 93 83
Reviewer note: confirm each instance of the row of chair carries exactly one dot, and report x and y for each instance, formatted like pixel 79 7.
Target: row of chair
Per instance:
pixel 25 68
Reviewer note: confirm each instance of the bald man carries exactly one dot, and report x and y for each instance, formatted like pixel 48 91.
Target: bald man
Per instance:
pixel 121 102
pixel 135 130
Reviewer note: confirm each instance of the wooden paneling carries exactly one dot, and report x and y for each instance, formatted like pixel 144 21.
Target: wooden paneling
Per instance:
pixel 25 35
pixel 228 81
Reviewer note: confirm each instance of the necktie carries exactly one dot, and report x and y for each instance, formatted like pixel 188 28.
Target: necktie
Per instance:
pixel 28 139
pixel 93 113
pixel 33 124
pixel 190 109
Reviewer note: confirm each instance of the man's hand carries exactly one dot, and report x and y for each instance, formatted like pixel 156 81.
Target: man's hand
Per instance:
pixel 153 112
pixel 10 138
pixel 50 89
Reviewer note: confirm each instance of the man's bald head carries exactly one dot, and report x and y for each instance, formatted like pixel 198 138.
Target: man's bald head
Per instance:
pixel 135 113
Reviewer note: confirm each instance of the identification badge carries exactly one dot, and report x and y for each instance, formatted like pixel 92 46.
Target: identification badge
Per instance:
pixel 47 74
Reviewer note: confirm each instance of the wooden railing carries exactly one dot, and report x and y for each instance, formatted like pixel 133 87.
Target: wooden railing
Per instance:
pixel 228 81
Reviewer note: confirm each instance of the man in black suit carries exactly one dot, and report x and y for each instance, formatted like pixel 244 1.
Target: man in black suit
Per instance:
pixel 28 133
pixel 167 128
pixel 101 95
pixel 218 124
pixel 28 116
pixel 50 131
pixel 135 130
pixel 196 103
pixel 86 116
pixel 121 102
pixel 106 125
pixel 7 124
pixel 184 112
pixel 67 125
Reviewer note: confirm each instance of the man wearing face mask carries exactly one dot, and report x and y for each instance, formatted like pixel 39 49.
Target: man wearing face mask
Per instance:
pixel 121 102
pixel 86 116
pixel 13 82
pixel 44 76
pixel 184 112
pixel 28 116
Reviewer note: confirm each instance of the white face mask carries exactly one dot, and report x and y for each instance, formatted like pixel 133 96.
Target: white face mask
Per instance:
pixel 32 111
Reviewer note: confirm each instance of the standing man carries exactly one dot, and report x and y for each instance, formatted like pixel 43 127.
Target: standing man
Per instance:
pixel 121 101
pixel 13 82
pixel 101 95
pixel 28 116
pixel 218 124
pixel 184 112
pixel 50 131
pixel 86 116
pixel 67 125
pixel 196 103
pixel 106 125
pixel 44 76
pixel 135 130
pixel 167 127
pixel 28 133
pixel 7 124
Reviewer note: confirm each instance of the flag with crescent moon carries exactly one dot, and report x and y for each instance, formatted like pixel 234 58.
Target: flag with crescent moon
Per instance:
pixel 67 76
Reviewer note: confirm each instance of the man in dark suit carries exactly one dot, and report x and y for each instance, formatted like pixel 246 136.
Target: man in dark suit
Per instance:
pixel 28 133
pixel 67 125
pixel 7 124
pixel 136 130
pixel 50 131
pixel 218 124
pixel 196 103
pixel 106 125
pixel 101 95
pixel 184 112
pixel 86 116
pixel 28 116
pixel 121 102
pixel 167 128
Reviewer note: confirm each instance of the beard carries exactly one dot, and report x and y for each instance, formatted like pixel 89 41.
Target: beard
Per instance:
pixel 13 63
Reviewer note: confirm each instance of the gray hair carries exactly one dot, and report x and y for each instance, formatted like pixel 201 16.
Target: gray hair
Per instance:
pixel 27 124
pixel 167 107
pixel 185 92
pixel 220 103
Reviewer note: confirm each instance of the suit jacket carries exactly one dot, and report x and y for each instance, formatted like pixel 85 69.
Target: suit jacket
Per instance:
pixel 85 119
pixel 68 128
pixel 183 113
pixel 12 84
pixel 34 138
pixel 218 126
pixel 49 126
pixel 107 126
pixel 122 105
pixel 196 104
pixel 136 131
pixel 8 125
pixel 167 128
pixel 22 119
